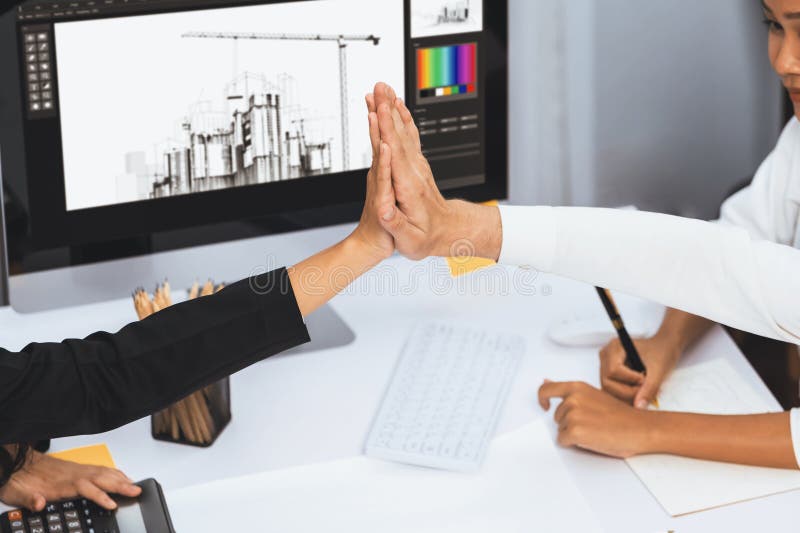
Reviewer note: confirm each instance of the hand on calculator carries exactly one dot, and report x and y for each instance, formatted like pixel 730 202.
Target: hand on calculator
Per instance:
pixel 45 478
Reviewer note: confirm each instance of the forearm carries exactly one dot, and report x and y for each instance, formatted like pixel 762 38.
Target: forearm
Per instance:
pixel 682 329
pixel 761 440
pixel 322 276
pixel 706 269
pixel 109 379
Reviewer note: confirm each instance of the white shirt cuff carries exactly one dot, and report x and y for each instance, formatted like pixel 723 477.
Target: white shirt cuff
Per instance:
pixel 529 236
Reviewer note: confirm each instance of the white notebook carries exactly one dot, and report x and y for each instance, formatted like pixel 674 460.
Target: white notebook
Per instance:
pixel 683 485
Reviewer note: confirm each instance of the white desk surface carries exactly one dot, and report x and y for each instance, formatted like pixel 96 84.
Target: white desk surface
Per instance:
pixel 304 409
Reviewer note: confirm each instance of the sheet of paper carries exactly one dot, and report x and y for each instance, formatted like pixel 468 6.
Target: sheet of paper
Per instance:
pixel 96 455
pixel 683 485
pixel 522 487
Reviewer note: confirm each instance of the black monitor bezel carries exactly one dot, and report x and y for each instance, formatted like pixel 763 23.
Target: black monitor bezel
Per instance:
pixel 124 230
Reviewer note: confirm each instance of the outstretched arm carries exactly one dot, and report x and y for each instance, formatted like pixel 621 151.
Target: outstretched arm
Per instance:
pixel 706 269
pixel 108 379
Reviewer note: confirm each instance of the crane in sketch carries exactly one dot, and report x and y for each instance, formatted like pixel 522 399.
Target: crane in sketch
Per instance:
pixel 341 40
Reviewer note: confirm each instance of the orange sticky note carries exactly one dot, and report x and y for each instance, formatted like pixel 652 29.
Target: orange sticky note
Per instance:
pixel 465 265
pixel 95 455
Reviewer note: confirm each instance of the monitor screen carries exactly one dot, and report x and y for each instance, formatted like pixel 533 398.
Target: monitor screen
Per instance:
pixel 149 125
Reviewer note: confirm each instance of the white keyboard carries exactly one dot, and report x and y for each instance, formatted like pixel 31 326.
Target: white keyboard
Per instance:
pixel 445 397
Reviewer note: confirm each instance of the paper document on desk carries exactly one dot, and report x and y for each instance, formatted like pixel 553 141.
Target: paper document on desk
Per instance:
pixel 683 485
pixel 522 487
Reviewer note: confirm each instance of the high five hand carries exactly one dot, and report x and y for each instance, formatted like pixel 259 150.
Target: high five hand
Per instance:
pixel 424 223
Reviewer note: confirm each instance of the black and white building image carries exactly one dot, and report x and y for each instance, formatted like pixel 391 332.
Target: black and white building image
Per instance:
pixel 444 17
pixel 259 144
pixel 235 96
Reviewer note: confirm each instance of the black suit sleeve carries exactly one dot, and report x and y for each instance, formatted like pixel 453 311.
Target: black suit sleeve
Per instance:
pixel 109 379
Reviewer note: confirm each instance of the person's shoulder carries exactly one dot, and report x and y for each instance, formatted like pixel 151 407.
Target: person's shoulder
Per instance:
pixel 790 136
pixel 786 158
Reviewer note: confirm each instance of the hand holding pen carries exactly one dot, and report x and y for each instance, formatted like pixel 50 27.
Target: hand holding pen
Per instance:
pixel 656 356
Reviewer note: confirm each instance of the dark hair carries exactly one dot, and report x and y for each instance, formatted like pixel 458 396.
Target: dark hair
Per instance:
pixel 10 463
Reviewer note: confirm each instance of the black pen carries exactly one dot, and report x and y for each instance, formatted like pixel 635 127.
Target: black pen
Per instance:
pixel 632 359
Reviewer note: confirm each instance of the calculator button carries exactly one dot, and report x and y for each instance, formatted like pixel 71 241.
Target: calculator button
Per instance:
pixel 15 515
pixel 73 524
pixel 55 528
pixel 51 508
pixel 53 517
pixel 42 36
pixel 70 515
pixel 30 37
pixel 37 529
pixel 16 524
pixel 68 505
pixel 35 521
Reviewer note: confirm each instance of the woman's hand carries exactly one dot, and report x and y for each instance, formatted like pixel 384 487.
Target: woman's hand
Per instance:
pixel 380 195
pixel 659 354
pixel 591 419
pixel 44 479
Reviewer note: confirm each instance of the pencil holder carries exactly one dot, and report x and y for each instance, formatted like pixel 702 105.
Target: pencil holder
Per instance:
pixel 196 420
pixel 199 418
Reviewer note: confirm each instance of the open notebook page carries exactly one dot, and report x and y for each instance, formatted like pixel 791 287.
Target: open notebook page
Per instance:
pixel 683 485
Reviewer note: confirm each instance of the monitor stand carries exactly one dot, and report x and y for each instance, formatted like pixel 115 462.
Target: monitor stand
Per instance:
pixel 327 330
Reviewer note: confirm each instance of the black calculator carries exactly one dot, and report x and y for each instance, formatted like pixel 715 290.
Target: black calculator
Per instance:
pixel 147 513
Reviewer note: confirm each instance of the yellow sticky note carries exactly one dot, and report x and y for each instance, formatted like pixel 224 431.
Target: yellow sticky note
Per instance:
pixel 95 455
pixel 464 265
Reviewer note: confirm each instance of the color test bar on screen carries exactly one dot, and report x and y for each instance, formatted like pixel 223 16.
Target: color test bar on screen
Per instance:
pixel 447 72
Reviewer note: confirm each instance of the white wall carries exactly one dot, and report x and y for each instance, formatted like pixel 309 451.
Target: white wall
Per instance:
pixel 664 105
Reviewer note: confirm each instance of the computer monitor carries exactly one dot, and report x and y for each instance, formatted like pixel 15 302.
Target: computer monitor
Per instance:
pixel 131 129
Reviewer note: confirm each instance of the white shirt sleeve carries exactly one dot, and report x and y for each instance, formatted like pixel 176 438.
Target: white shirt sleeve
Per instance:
pixel 712 270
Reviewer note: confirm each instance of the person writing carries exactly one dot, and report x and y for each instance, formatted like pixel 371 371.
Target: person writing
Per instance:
pixel 769 209
pixel 711 270
pixel 109 379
